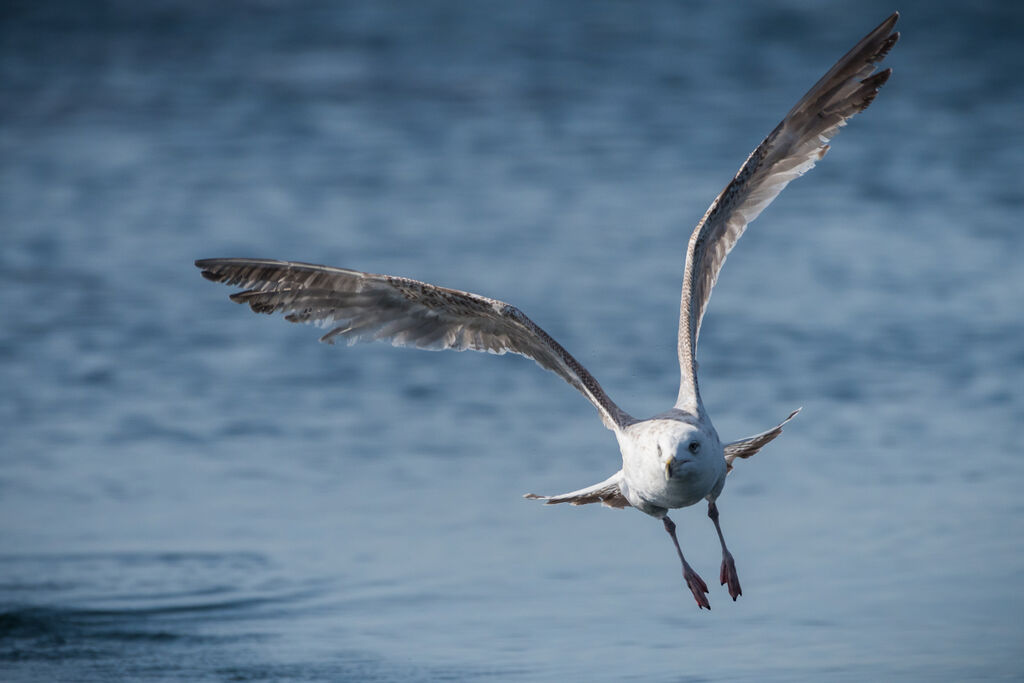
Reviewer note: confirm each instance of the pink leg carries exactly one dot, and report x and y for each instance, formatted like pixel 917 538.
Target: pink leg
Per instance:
pixel 728 574
pixel 693 580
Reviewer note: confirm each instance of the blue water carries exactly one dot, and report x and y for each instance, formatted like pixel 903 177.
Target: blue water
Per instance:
pixel 192 492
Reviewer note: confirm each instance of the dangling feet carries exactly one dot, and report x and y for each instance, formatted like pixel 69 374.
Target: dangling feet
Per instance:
pixel 697 586
pixel 728 574
pixel 693 580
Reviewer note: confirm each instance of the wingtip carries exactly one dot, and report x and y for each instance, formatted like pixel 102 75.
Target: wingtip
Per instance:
pixel 533 496
pixel 206 265
pixel 886 47
pixel 884 28
pixel 876 81
pixel 889 22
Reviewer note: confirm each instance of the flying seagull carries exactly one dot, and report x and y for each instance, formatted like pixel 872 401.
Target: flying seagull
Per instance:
pixel 672 460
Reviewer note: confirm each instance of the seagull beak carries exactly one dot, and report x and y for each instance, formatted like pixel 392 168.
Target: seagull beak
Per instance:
pixel 668 469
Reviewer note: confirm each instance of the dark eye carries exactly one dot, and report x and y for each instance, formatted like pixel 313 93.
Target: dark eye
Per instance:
pixel 693 447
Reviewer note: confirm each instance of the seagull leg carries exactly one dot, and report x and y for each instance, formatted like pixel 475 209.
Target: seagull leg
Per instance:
pixel 728 574
pixel 693 580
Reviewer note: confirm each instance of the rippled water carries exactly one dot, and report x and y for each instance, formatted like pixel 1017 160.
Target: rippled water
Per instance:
pixel 188 491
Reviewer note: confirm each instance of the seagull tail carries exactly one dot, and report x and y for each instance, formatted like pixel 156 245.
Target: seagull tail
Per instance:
pixel 744 448
pixel 607 493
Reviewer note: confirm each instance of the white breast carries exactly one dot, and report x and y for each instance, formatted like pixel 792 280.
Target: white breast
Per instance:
pixel 646 447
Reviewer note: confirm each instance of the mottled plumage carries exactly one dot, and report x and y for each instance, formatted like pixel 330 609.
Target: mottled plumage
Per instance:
pixel 671 460
pixel 367 307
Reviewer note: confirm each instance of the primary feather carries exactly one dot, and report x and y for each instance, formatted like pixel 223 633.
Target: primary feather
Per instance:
pixel 789 151
pixel 361 306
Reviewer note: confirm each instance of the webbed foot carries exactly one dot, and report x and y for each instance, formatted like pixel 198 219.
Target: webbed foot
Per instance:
pixel 697 587
pixel 729 576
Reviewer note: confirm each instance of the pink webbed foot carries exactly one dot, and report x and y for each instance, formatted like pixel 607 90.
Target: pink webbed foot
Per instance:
pixel 729 576
pixel 693 580
pixel 697 587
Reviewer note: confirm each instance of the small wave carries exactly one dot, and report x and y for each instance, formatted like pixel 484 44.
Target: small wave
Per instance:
pixel 109 606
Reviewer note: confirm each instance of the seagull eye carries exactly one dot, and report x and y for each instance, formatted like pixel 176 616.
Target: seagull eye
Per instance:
pixel 693 447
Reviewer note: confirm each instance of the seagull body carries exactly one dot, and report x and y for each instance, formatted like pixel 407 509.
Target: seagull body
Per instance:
pixel 663 463
pixel 672 460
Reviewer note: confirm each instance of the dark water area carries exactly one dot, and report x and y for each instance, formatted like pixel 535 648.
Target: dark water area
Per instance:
pixel 192 492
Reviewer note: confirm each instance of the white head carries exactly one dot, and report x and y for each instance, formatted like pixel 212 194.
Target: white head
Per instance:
pixel 670 461
pixel 690 453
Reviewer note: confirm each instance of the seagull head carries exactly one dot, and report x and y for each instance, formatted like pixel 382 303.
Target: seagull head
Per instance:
pixel 689 452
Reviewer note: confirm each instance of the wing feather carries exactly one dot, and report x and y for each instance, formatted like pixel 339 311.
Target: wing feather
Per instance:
pixel 789 151
pixel 608 493
pixel 359 307
pixel 744 448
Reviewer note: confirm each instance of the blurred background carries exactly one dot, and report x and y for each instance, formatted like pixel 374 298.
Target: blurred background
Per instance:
pixel 190 491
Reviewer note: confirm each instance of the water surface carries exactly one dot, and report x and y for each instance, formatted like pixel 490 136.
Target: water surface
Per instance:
pixel 191 492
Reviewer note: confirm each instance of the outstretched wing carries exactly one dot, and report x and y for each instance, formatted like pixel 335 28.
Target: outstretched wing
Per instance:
pixel 366 307
pixel 789 151
pixel 744 448
pixel 607 493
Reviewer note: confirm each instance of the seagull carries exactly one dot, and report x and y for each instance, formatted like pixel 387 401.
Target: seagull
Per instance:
pixel 672 460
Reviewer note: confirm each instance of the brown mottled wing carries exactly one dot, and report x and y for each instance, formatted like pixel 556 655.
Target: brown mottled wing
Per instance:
pixel 744 448
pixel 789 151
pixel 367 307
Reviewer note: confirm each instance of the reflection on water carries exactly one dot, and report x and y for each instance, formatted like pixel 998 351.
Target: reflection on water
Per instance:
pixel 188 491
